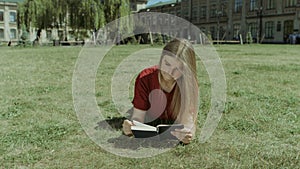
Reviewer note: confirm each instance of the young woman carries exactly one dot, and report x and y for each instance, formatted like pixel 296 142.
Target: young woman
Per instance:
pixel 168 93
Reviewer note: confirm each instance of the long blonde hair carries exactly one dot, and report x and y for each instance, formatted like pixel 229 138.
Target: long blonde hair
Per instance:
pixel 185 98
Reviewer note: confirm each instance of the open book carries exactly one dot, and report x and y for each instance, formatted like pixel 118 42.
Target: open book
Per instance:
pixel 141 130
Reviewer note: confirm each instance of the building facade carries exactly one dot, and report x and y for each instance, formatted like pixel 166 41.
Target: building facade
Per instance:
pixel 267 21
pixel 8 20
pixel 136 5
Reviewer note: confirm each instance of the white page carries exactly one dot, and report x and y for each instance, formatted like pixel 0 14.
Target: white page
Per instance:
pixel 142 126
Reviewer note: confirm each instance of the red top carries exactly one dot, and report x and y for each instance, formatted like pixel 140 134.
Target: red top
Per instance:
pixel 149 97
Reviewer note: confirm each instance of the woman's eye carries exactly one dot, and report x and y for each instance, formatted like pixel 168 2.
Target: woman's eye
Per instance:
pixel 168 64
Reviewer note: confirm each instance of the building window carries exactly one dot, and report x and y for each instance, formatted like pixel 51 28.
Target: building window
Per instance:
pixel 1 16
pixel 13 34
pixel 238 6
pixel 1 33
pixel 290 3
pixel 203 12
pixel 160 20
pixel 213 11
pixel 288 27
pixel 278 26
pixel 173 21
pixel 252 28
pixel 203 29
pixel 178 13
pixel 253 5
pixel 222 32
pixel 270 4
pixel 185 13
pixel 236 31
pixel 195 12
pixel 49 33
pixel 12 17
pixel 212 32
pixel 172 12
pixel 133 6
pixel 166 20
pixel 223 2
pixel 269 29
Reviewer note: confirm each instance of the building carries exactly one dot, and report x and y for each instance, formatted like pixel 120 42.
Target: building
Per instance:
pixel 137 5
pixel 8 20
pixel 269 21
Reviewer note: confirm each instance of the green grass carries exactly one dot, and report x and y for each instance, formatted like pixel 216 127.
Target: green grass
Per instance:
pixel 259 128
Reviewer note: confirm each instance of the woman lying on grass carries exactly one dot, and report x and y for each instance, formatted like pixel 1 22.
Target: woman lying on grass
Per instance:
pixel 168 92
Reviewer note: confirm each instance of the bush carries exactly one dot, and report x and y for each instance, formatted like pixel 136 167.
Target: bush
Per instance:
pixel 159 39
pixel 25 34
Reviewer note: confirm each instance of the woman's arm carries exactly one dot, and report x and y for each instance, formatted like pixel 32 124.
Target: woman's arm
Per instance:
pixel 189 120
pixel 138 115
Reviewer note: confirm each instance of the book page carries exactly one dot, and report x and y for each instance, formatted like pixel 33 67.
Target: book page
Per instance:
pixel 179 126
pixel 142 126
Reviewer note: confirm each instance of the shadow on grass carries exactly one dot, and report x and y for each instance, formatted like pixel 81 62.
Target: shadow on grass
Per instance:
pixel 126 142
pixel 114 122
pixel 111 123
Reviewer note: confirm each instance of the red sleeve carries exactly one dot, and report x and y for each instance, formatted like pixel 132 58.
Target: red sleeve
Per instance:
pixel 141 94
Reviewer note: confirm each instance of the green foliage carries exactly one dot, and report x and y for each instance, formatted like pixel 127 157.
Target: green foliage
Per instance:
pixel 209 36
pixel 249 37
pixel 25 34
pixel 83 14
pixel 159 39
pixel 42 13
pixel 133 41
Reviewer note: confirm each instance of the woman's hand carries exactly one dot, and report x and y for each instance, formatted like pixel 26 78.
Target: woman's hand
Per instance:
pixel 183 135
pixel 127 127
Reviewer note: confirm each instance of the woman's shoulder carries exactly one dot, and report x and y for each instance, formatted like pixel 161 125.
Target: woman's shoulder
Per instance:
pixel 150 71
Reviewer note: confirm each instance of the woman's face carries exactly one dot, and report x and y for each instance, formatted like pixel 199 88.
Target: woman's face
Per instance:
pixel 171 68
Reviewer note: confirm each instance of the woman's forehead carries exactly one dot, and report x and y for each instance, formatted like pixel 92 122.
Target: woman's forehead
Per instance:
pixel 172 60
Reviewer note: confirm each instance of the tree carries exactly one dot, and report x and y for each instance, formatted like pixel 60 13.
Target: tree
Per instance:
pixel 78 14
pixel 24 36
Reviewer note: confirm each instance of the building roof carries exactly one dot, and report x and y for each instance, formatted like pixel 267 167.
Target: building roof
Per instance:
pixel 155 3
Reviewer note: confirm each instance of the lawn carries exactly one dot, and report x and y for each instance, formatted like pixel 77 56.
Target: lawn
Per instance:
pixel 260 126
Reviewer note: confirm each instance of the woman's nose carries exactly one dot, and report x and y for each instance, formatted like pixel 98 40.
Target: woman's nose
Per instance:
pixel 168 71
pixel 172 71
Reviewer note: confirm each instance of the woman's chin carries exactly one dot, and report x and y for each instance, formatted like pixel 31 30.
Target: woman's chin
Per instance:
pixel 168 78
